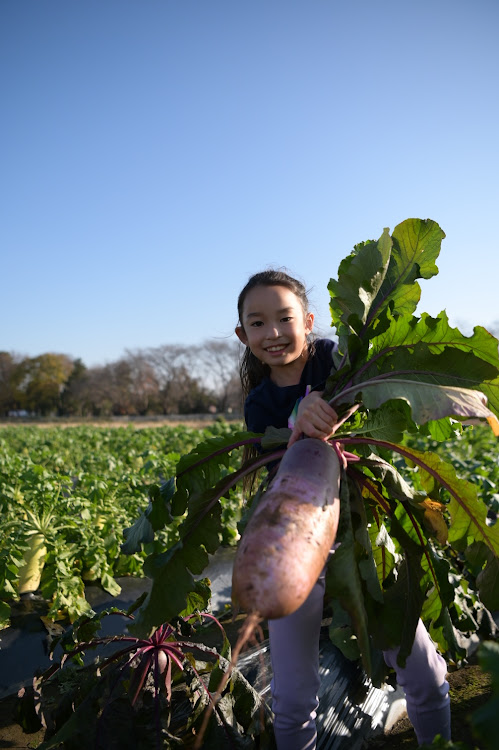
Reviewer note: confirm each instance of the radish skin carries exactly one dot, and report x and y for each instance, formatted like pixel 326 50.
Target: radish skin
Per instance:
pixel 34 560
pixel 288 538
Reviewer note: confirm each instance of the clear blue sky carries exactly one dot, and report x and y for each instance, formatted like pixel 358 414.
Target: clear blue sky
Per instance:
pixel 155 153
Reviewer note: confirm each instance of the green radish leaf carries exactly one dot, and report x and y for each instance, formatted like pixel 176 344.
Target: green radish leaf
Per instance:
pixel 416 246
pixel 344 581
pixel 443 429
pixel 490 388
pixel 360 277
pixel 383 551
pixel 198 599
pixel 155 517
pixel 484 719
pixel 4 614
pixel 427 401
pixel 203 467
pixel 395 485
pixel 173 571
pixel 172 583
pixel 403 597
pixel 405 332
pixel 110 585
pixel 488 584
pixel 440 589
pixel 468 512
pixel 275 437
pixel 444 632
pixel 389 422
pixel 140 533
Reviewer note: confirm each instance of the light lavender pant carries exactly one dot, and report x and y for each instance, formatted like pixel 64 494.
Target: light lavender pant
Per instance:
pixel 294 652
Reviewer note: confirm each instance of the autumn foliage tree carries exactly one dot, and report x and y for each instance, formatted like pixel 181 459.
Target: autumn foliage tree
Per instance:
pixel 43 381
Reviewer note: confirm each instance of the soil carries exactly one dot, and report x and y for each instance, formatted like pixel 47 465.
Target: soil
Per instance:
pixel 196 422
pixel 469 687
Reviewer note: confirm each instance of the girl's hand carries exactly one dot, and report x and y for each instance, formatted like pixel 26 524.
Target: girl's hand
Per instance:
pixel 315 418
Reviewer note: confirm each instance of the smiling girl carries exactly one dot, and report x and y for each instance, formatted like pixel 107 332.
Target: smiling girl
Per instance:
pixel 283 374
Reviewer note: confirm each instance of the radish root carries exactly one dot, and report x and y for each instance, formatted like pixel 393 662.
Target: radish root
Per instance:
pixel 247 631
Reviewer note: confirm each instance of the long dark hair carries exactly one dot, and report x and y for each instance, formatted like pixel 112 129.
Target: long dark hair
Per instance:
pixel 251 370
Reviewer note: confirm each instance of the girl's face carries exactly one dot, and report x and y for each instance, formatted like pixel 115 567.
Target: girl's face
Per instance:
pixel 275 327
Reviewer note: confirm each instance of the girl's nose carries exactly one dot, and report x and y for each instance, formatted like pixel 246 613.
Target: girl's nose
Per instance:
pixel 272 332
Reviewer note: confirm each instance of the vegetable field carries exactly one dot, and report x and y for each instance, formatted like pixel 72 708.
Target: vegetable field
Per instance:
pixel 79 488
pixel 66 496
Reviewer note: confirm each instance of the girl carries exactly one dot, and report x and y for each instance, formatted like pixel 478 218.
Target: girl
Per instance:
pixel 279 365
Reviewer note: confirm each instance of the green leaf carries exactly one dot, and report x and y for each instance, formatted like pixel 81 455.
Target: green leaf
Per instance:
pixel 198 599
pixel 4 614
pixel 159 509
pixel 172 583
pixel 468 512
pixel 491 390
pixel 484 719
pixel 406 331
pixel 396 487
pixel 140 533
pixel 397 620
pixel 275 437
pixel 389 422
pixel 203 467
pixel 155 517
pixel 384 553
pixel 426 350
pixel 427 401
pixel 416 246
pixel 360 277
pixel 109 584
pixel 444 633
pixel 343 581
pixel 172 571
pixel 488 584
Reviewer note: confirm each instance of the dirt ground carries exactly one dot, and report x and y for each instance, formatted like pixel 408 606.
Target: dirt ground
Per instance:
pixel 470 688
pixel 195 422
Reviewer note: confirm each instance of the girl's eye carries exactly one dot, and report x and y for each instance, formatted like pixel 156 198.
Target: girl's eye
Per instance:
pixel 287 319
pixel 256 324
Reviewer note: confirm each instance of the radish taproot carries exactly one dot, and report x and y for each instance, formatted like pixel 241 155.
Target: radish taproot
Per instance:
pixel 30 573
pixel 288 538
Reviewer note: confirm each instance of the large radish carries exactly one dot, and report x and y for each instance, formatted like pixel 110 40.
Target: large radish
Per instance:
pixel 287 541
pixel 30 572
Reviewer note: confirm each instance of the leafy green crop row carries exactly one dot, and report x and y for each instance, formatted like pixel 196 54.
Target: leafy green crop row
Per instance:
pixel 91 483
pixel 79 488
pixel 474 455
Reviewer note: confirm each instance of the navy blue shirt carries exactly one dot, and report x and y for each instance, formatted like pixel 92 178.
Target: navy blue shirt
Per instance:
pixel 270 405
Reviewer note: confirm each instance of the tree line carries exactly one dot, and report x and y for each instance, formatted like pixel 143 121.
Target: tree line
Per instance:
pixel 168 379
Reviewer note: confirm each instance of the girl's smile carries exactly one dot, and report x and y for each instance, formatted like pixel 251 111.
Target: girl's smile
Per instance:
pixel 275 327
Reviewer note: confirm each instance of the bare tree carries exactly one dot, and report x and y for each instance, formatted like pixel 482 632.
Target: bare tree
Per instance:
pixel 220 362
pixel 172 365
pixel 109 389
pixel 143 381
